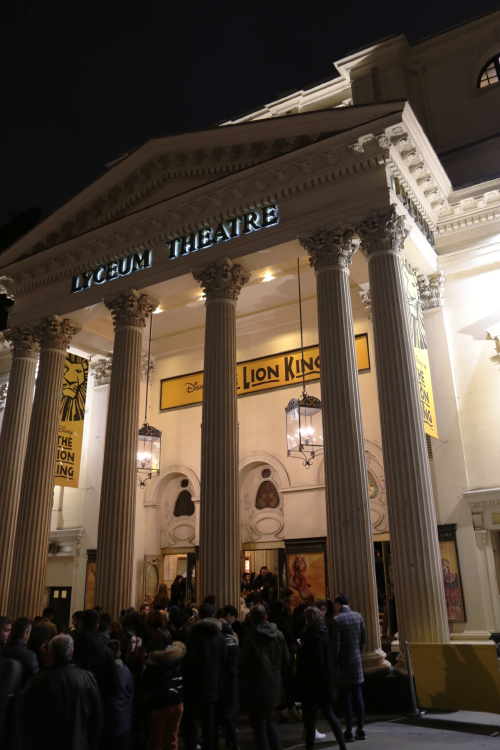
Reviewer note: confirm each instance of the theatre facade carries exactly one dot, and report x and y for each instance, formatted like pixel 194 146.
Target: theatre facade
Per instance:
pixel 158 323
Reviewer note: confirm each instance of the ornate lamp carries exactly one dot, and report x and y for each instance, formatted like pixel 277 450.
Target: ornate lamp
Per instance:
pixel 304 426
pixel 149 441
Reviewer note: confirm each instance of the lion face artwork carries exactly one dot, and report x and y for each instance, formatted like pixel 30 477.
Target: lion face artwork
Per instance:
pixel 74 388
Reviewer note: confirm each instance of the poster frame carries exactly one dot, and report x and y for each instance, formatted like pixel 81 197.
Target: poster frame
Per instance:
pixel 448 533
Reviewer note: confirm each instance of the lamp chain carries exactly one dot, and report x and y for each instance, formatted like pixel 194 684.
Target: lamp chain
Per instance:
pixel 147 374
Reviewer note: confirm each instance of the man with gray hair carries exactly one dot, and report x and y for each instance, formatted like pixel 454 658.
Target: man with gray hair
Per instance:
pixel 61 706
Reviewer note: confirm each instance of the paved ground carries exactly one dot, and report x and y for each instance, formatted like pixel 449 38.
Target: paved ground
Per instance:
pixel 399 733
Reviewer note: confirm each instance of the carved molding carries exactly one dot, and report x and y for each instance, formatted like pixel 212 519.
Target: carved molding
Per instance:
pixel 56 332
pixel 330 248
pixel 481 538
pixel 3 395
pixel 66 543
pixel 24 341
pixel 101 370
pixel 131 309
pixel 222 279
pixel 5 286
pixel 366 299
pixel 431 290
pixel 382 232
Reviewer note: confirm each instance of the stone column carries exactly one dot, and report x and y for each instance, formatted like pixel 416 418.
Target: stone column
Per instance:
pixel 219 497
pixel 420 600
pixel 13 441
pixel 351 565
pixel 37 488
pixel 115 538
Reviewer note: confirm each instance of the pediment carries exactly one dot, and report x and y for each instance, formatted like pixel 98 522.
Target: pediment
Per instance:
pixel 168 167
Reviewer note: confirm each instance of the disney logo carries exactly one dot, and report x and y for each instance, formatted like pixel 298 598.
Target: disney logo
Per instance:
pixel 191 387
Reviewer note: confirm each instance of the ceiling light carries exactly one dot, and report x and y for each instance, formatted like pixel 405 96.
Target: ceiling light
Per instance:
pixel 268 276
pixel 157 311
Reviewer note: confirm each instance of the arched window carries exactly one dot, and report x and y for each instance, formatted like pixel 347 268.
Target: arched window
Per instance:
pixel 184 505
pixel 490 73
pixel 267 496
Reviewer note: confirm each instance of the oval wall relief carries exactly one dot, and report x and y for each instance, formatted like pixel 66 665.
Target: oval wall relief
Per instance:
pixel 183 532
pixel 268 525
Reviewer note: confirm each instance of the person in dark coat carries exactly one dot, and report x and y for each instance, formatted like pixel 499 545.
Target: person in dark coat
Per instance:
pixel 5 630
pixel 118 709
pixel 262 658
pixel 16 648
pixel 270 589
pixel 203 665
pixel 61 707
pixel 260 580
pixel 349 638
pixel 38 643
pixel 162 693
pixel 91 653
pixel 11 675
pixel 177 625
pixel 228 689
pixel 178 590
pixel 279 617
pixel 316 677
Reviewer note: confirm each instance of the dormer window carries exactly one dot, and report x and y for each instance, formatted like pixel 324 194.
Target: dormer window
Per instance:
pixel 490 73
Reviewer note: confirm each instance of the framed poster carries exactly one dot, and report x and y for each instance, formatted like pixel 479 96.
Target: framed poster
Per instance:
pixel 452 579
pixel 90 579
pixel 306 569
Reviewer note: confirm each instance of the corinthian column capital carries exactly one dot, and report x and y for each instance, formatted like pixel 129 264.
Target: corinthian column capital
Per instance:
pixel 56 332
pixel 23 341
pixel 222 279
pixel 330 248
pixel 131 309
pixel 382 232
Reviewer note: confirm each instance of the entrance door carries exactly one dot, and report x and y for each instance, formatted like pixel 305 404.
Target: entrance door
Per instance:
pixel 60 602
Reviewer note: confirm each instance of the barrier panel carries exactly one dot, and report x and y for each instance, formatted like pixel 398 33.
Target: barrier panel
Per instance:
pixel 460 677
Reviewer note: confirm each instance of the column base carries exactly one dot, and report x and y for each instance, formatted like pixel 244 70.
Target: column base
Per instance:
pixel 401 667
pixel 375 662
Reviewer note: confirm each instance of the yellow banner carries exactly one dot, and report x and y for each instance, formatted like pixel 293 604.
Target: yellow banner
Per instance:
pixel 420 349
pixel 71 419
pixel 258 375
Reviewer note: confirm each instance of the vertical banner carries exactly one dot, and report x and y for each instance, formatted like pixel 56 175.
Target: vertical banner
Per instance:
pixel 71 419
pixel 420 349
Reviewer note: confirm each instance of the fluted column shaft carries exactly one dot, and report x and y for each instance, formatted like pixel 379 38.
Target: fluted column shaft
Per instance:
pixel 115 538
pixel 31 546
pixel 13 442
pixel 418 577
pixel 351 566
pixel 219 497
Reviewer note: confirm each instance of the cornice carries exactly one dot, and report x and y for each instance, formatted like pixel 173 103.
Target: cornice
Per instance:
pixel 281 179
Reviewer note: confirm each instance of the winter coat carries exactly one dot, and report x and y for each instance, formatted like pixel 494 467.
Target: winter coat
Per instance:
pixel 91 653
pixel 202 667
pixel 61 708
pixel 118 709
pixel 259 671
pixel 161 683
pixel 11 675
pixel 18 650
pixel 228 688
pixel 315 667
pixel 348 638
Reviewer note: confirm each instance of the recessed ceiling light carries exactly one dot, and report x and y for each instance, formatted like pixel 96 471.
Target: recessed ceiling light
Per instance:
pixel 268 276
pixel 157 311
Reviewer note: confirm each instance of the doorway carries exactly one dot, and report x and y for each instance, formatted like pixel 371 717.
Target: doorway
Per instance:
pixel 60 603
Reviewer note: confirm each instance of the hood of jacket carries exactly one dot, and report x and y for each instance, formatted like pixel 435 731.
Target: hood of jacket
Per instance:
pixel 206 628
pixel 170 657
pixel 266 631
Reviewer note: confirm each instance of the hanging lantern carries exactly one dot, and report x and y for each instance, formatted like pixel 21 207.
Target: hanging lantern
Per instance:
pixel 304 426
pixel 149 441
pixel 148 453
pixel 304 429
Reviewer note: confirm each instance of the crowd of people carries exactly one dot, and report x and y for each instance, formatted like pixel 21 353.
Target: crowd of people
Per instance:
pixel 175 670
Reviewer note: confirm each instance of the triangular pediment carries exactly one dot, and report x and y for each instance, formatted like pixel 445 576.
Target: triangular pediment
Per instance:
pixel 175 165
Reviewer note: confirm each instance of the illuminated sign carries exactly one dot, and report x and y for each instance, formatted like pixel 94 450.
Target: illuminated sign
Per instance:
pixel 114 270
pixel 258 375
pixel 259 218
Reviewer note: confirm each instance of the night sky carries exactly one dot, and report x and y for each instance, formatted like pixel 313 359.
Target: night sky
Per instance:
pixel 81 82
